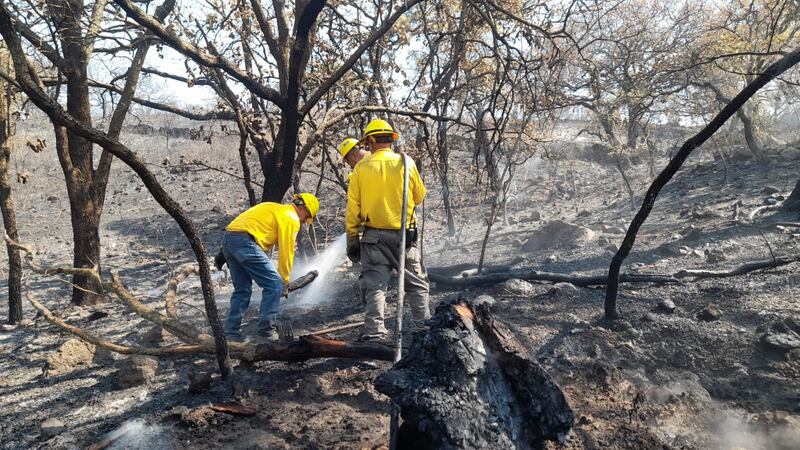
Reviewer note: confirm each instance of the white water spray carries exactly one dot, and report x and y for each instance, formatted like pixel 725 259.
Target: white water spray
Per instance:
pixel 137 434
pixel 318 291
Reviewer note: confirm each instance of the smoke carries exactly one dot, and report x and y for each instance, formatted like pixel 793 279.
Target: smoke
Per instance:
pixel 696 416
pixel 734 433
pixel 326 262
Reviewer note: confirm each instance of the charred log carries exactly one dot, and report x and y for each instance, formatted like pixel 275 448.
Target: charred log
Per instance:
pixel 468 383
pixel 460 282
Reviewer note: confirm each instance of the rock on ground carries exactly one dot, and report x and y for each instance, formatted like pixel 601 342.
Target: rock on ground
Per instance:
pixel 558 233
pixel 710 313
pixel 613 229
pixel 515 288
pixel 783 334
pixel 714 256
pixel 72 354
pixel 199 381
pixel 136 370
pixel 155 335
pixel 667 306
pixel 51 427
pixel 564 290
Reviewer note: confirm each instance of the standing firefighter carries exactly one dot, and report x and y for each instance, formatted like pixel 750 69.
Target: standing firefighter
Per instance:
pixel 350 152
pixel 246 240
pixel 374 200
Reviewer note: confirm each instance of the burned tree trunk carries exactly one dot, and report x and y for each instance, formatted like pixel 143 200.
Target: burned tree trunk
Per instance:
pixel 278 176
pixel 793 202
pixel 469 384
pixel 747 123
pixel 444 168
pixel 772 72
pixel 7 206
pixel 85 185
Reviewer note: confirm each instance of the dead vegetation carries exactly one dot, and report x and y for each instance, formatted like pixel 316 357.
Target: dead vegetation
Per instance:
pixel 539 128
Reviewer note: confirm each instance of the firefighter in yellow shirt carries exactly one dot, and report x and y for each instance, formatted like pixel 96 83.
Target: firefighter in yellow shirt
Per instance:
pixel 246 240
pixel 374 200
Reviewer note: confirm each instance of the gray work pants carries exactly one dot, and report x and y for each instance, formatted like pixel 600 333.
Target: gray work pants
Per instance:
pixel 379 249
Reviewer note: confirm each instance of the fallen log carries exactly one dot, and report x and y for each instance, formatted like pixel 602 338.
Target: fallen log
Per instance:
pixel 194 340
pixel 536 275
pixel 602 280
pixel 172 290
pixel 740 270
pixel 468 383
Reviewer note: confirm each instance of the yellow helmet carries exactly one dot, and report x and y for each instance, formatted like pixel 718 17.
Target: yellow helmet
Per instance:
pixel 376 127
pixel 310 202
pixel 347 145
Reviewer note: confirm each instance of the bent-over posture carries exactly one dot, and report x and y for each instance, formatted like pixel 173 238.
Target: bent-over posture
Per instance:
pixel 246 240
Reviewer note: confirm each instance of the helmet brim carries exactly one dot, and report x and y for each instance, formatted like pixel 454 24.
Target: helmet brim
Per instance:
pixel 394 135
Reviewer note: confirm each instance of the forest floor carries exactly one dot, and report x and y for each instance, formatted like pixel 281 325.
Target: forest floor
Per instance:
pixel 653 380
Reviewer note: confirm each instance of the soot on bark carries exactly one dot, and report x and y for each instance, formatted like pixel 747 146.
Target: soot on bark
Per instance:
pixel 468 383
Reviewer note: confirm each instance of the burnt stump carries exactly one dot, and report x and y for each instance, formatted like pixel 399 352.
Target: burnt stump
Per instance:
pixel 468 383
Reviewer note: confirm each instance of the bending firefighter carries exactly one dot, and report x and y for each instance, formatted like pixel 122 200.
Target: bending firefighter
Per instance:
pixel 374 200
pixel 350 152
pixel 246 240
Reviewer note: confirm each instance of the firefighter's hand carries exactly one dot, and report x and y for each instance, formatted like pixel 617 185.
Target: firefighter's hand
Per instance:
pixel 353 249
pixel 219 259
pixel 285 292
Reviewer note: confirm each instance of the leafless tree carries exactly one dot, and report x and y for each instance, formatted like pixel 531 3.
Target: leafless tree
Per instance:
pixel 6 201
pixel 624 70
pixel 27 80
pixel 770 73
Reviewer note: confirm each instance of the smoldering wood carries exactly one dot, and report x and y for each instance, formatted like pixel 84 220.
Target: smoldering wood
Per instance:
pixel 303 281
pixel 468 383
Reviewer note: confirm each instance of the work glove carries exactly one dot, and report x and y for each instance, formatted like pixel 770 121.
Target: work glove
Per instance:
pixel 285 292
pixel 219 259
pixel 353 248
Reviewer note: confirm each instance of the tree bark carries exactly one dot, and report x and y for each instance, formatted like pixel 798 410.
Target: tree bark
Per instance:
pixel 279 169
pixel 7 205
pixel 468 383
pixel 248 181
pixel 30 83
pixel 631 193
pixel 747 124
pixel 793 202
pixel 86 192
pixel 773 71
pixel 444 169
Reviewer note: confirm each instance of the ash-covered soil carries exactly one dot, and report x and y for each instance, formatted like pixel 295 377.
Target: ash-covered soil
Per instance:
pixel 655 379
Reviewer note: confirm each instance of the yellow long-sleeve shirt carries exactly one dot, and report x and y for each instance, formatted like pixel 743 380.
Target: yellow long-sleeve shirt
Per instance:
pixel 375 192
pixel 271 224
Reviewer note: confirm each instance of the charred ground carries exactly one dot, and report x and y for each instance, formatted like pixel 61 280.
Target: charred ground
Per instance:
pixel 654 379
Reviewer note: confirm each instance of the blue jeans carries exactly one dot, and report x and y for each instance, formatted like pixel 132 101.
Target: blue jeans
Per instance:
pixel 247 263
